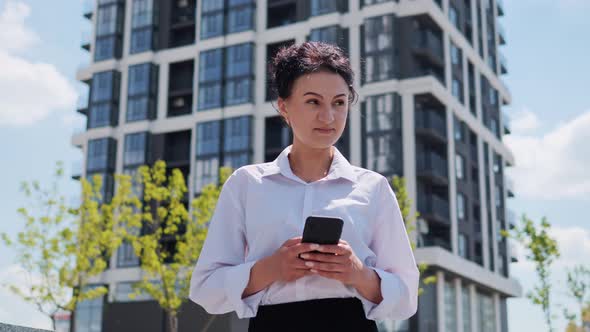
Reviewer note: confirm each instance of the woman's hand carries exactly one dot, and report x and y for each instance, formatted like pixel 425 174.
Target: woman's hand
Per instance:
pixel 285 262
pixel 336 262
pixel 339 262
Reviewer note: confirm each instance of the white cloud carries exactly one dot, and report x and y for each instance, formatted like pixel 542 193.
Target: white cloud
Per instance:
pixel 14 35
pixel 524 121
pixel 554 165
pixel 29 91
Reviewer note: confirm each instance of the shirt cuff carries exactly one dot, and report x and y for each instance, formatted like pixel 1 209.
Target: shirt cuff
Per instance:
pixel 236 280
pixel 391 292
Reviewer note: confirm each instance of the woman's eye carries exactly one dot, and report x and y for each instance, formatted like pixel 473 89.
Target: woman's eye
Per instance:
pixel 340 103
pixel 312 101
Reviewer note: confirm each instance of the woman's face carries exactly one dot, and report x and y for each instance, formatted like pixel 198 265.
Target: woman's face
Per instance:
pixel 317 109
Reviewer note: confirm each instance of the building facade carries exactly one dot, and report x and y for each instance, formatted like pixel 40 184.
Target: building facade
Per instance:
pixel 186 81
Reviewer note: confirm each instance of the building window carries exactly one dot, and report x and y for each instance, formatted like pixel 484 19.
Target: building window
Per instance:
pixel 378 49
pixel 239 73
pixel 454 17
pixel 382 134
pixel 486 318
pixel 216 147
pixel 450 298
pixel 321 7
pixel 180 89
pixel 88 315
pixel 135 149
pixel 123 290
pixel 463 246
pixel 218 20
pixel 101 154
pixel 457 89
pixel 241 15
pixel 236 80
pixel 208 148
pixel 142 26
pixel 466 299
pixel 460 206
pixel 142 92
pixel 373 2
pixel 459 167
pixel 210 76
pixel 109 28
pixel 237 141
pixel 104 99
pixel 459 130
pixel 333 34
pixel 455 55
pixel 126 256
pixel 493 95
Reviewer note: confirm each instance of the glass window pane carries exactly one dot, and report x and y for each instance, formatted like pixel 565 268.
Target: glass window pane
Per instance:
pixel 241 19
pixel 102 86
pixel 450 298
pixel 139 79
pixel 135 149
pixel 208 138
pixel 212 24
pixel 210 65
pixel 237 134
pixel 142 13
pixel 106 22
pixel 238 60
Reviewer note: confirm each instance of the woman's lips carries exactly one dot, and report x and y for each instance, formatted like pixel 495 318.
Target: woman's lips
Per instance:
pixel 324 131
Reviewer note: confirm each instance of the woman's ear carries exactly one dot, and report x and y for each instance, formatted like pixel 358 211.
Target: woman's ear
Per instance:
pixel 282 105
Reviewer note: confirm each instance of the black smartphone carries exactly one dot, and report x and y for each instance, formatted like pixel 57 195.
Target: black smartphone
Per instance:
pixel 322 230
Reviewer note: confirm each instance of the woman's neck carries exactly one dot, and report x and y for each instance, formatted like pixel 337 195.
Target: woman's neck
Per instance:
pixel 310 164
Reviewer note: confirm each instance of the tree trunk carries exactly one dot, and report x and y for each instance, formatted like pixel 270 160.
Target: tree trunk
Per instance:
pixel 52 321
pixel 172 322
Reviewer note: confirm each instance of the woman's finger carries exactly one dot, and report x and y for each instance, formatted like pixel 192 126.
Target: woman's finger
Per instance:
pixel 326 258
pixel 337 249
pixel 327 267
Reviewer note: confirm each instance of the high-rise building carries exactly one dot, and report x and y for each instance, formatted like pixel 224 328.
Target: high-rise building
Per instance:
pixel 186 81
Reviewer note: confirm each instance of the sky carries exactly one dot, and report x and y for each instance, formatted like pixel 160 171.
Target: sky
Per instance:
pixel 548 45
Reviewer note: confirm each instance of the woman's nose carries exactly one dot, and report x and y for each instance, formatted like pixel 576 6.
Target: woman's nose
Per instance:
pixel 326 115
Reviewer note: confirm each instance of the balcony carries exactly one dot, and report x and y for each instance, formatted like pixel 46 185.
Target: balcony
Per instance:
pixel 511 218
pixel 429 46
pixel 88 8
pixel 86 40
pixel 82 104
pixel 77 170
pixel 432 166
pixel 513 252
pixel 434 208
pixel 506 123
pixel 432 124
pixel 500 5
pixel 509 186
pixel 501 34
pixel 503 64
pixel 437 242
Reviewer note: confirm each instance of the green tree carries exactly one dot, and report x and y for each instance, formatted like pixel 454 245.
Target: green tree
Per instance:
pixel 61 248
pixel 542 250
pixel 405 205
pixel 172 238
pixel 578 284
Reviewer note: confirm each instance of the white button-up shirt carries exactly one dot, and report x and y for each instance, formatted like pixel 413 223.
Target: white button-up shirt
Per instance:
pixel 263 205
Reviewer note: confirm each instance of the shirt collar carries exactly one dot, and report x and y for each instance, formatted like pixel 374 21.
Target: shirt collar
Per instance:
pixel 340 167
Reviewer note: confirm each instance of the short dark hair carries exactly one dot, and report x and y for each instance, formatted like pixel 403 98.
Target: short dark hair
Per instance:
pixel 294 61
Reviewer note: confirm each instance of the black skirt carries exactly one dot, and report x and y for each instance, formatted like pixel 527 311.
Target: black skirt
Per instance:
pixel 334 314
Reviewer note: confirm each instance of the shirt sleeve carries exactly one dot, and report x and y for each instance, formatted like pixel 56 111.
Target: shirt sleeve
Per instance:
pixel 221 273
pixel 395 263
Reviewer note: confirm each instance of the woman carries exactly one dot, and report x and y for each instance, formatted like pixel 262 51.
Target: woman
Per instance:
pixel 253 261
